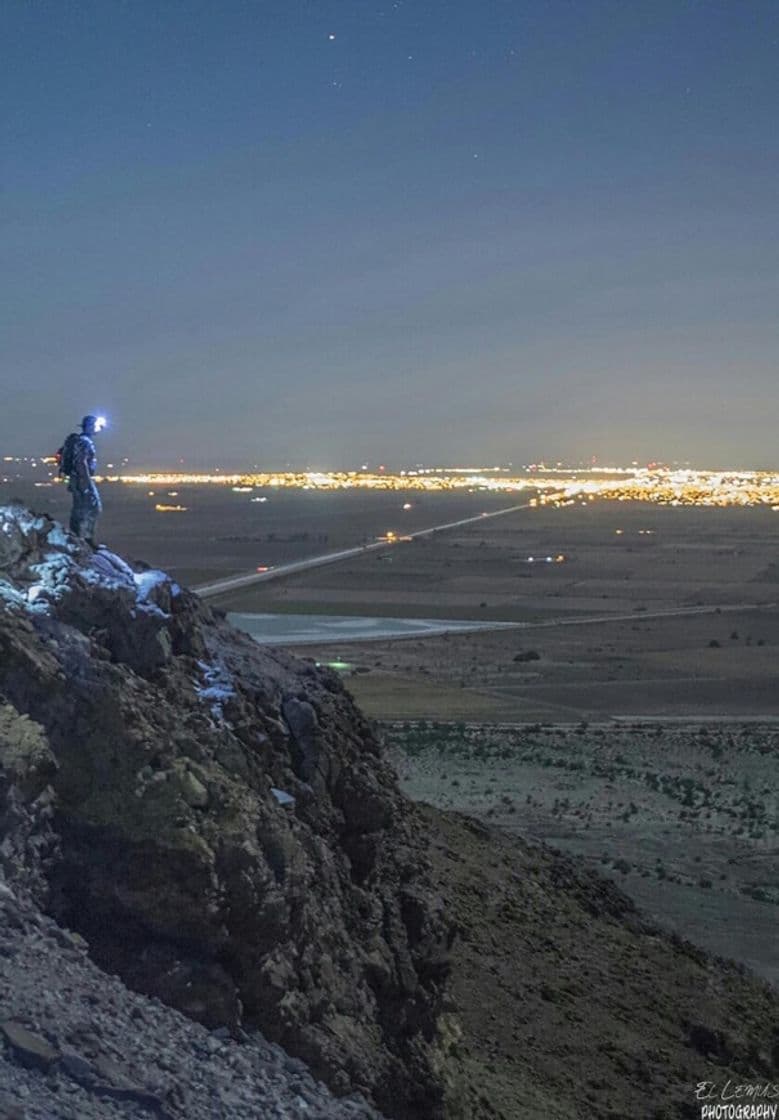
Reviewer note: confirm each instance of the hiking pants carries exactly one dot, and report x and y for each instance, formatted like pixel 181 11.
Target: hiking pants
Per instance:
pixel 87 507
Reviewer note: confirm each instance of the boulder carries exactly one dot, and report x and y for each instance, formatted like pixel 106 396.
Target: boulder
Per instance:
pixel 29 1049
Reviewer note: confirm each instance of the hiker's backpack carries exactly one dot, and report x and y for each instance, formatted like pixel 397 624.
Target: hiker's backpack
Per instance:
pixel 66 455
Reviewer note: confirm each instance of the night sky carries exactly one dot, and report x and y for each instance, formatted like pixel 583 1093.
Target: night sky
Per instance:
pixel 327 233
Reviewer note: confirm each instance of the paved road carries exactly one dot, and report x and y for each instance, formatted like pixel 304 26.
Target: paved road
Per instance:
pixel 666 612
pixel 232 583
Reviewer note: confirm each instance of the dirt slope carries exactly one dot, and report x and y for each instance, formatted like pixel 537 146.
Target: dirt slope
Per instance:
pixel 571 1006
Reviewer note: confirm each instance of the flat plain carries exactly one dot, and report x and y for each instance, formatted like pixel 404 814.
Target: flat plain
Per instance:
pixel 650 610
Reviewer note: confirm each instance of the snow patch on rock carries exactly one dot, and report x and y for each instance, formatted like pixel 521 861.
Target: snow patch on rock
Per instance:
pixel 217 687
pixel 282 796
pixel 146 582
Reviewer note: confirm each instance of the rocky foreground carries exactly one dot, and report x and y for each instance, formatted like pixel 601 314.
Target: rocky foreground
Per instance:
pixel 213 826
pixel 80 1046
pixel 215 820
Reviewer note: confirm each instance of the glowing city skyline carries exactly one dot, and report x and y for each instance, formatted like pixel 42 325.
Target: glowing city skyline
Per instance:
pixel 550 485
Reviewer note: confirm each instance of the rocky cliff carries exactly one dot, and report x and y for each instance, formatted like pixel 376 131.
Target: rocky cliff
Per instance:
pixel 75 1044
pixel 215 819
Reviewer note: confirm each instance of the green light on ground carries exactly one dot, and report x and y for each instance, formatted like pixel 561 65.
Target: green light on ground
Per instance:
pixel 339 666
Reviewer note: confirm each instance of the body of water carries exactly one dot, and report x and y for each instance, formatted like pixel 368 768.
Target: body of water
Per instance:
pixel 299 629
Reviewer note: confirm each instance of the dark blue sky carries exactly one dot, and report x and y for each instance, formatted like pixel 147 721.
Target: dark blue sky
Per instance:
pixel 465 231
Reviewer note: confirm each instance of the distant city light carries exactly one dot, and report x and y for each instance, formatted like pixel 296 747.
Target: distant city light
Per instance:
pixel 553 488
pixel 660 485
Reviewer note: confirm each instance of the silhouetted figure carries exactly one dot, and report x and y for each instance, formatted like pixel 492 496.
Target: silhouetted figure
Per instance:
pixel 78 461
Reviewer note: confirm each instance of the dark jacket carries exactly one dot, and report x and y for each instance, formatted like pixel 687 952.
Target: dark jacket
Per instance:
pixel 84 465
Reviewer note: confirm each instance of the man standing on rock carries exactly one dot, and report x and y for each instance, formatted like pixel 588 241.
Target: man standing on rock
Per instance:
pixel 78 461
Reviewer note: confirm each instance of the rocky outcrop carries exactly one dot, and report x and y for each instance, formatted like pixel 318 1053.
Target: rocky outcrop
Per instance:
pixel 75 1044
pixel 27 768
pixel 214 818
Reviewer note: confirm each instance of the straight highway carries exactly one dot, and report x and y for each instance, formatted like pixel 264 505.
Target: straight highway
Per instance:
pixel 232 583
